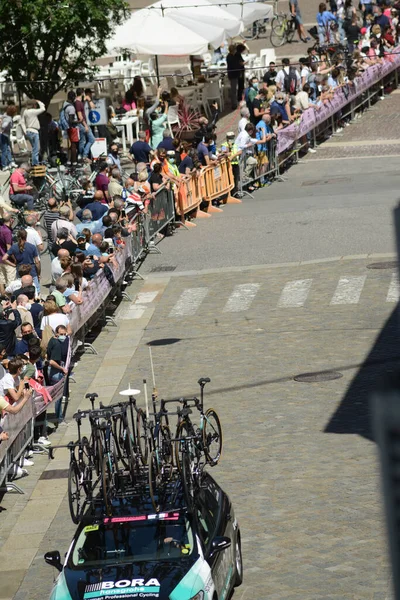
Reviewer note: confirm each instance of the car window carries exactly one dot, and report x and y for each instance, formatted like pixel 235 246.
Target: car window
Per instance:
pixel 207 516
pixel 124 540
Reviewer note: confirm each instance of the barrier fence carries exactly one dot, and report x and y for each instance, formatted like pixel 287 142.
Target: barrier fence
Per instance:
pixel 194 197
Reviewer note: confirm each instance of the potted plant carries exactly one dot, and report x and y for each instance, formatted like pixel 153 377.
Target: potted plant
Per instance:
pixel 188 122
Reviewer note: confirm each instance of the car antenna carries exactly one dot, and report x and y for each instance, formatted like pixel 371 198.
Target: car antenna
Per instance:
pixel 146 398
pixel 152 374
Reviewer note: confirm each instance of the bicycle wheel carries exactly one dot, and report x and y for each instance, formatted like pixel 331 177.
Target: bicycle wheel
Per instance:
pixel 182 431
pixel 278 31
pixel 74 493
pixel 251 31
pixel 187 480
pixel 212 437
pixel 141 431
pixel 106 485
pixel 167 449
pixel 154 481
pixel 290 31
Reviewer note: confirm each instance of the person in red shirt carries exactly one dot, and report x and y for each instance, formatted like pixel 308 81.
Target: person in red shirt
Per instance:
pixel 19 190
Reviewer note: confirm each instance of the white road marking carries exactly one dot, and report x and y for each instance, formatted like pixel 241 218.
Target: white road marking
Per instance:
pixel 145 297
pixel 295 293
pixel 189 301
pixel 348 290
pixel 393 294
pixel 133 312
pixel 241 297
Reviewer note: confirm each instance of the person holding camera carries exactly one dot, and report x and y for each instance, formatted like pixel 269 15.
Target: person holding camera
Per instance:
pixel 8 326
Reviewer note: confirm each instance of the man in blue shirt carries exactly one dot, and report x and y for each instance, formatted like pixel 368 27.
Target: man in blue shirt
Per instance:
pixel 96 207
pixel 264 130
pixel 280 106
pixel 380 18
pixel 203 151
pixel 140 150
pixel 167 142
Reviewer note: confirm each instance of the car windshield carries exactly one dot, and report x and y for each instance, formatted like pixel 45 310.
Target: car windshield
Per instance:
pixel 166 536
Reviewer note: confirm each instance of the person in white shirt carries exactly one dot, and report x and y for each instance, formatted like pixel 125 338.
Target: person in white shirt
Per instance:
pixel 63 223
pixel 246 141
pixel 305 71
pixel 11 384
pixel 56 268
pixel 284 76
pixel 32 126
pixel 245 116
pixel 23 282
pixel 54 318
pixel 33 236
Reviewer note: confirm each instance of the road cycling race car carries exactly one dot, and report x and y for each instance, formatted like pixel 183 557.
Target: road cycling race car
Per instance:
pixel 175 555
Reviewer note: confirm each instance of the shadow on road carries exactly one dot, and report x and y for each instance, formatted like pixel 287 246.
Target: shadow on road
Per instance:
pixel 353 414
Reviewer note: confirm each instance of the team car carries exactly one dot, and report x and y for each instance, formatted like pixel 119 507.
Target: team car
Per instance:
pixel 135 553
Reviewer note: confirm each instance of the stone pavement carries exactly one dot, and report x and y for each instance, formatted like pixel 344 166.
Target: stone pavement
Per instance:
pixel 307 498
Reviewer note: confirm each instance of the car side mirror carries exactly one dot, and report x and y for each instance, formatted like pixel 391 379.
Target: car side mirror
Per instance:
pixel 219 543
pixel 53 558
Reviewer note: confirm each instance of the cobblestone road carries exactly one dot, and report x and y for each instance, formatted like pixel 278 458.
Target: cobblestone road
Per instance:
pixel 306 497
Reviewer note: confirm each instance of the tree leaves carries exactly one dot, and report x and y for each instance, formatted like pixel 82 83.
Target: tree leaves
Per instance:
pixel 50 44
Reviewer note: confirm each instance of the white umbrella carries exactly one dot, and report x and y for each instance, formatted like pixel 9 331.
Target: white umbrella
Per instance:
pixel 247 12
pixel 147 32
pixel 195 13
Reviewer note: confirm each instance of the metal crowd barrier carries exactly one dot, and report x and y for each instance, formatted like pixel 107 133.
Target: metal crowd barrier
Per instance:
pixel 313 123
pixel 20 430
pixel 101 289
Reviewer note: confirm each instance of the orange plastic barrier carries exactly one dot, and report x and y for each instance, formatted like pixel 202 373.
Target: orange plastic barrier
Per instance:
pixel 189 196
pixel 216 182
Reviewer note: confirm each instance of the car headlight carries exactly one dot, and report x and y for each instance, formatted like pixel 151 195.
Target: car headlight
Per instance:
pixel 198 596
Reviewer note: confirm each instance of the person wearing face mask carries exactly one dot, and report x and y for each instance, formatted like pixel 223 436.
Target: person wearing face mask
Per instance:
pixel 56 355
pixel 23 307
pixel 281 107
pixel 251 92
pixel 115 186
pixel 171 159
pixel 113 159
pixel 27 333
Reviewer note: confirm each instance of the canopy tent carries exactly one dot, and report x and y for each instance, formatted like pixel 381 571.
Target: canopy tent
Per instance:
pixel 193 12
pixel 247 12
pixel 148 32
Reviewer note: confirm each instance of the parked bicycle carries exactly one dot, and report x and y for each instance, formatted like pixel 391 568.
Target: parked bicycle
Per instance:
pixel 283 28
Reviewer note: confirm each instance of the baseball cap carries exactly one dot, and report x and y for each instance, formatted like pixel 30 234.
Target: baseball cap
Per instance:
pixel 363 30
pixel 230 134
pixel 81 236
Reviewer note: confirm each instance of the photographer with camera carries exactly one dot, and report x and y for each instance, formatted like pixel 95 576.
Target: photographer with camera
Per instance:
pixel 8 326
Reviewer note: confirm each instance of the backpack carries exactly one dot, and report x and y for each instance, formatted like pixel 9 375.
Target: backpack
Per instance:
pixel 290 81
pixel 64 119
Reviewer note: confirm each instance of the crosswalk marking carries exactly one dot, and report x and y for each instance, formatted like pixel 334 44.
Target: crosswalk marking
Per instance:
pixel 145 297
pixel 189 301
pixel 241 297
pixel 295 293
pixel 348 290
pixel 393 294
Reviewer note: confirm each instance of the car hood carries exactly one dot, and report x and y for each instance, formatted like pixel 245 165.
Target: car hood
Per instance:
pixel 151 580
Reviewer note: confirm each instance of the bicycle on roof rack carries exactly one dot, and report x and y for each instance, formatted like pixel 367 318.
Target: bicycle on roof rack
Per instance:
pixel 130 453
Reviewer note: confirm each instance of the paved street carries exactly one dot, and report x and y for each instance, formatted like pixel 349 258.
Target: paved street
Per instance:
pixel 272 288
